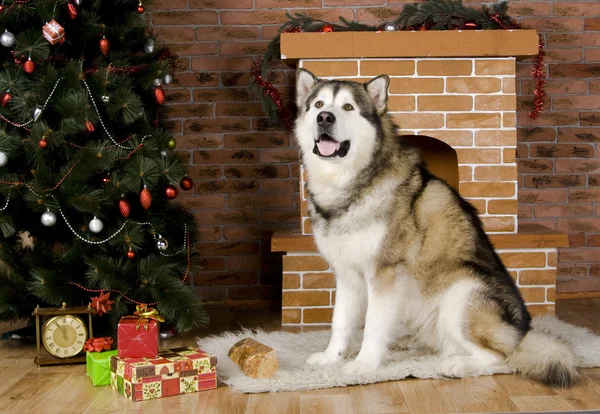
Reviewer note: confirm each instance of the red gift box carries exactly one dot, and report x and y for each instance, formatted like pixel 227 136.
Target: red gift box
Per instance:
pixel 137 337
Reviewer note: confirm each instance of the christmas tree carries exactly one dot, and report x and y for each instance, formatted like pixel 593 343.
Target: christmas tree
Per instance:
pixel 87 169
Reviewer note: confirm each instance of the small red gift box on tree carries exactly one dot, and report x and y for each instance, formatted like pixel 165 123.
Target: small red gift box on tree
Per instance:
pixel 137 334
pixel 53 32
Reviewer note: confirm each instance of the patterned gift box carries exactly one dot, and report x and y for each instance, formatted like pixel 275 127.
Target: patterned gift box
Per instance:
pixel 172 372
pixel 97 365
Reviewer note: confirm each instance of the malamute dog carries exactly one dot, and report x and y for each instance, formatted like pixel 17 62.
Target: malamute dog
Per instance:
pixel 410 256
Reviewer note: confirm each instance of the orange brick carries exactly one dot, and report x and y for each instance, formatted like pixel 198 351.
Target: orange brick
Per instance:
pixel 551 295
pixel 487 189
pixel 537 277
pixel 509 120
pixel 307 227
pixel 401 103
pixel 444 103
pixel 291 315
pixel 509 155
pixel 533 295
pixel 389 67
pixel 508 85
pixel 496 173
pixel 473 85
pixel 291 281
pixel 317 315
pixel 478 155
pixel 552 259
pixel 416 85
pixel 513 274
pixel 502 207
pixel 416 120
pixel 318 280
pixel 473 120
pixel 465 173
pixel 494 67
pixel 332 67
pixel 496 138
pixel 444 67
pixel 495 103
pixel 303 298
pixel 478 204
pixel 538 310
pixel 304 263
pixel 498 224
pixel 523 259
pixel 452 138
pixel 304 208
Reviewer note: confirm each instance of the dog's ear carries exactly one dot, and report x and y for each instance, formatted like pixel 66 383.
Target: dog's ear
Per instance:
pixel 305 81
pixel 378 91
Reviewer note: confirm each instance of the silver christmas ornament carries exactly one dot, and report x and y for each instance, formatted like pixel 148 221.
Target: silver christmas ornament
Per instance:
pixel 105 98
pixel 157 82
pixel 149 46
pixel 77 2
pixel 48 219
pixel 168 78
pixel 164 153
pixel 96 225
pixel 390 27
pixel 161 243
pixel 7 39
pixel 37 112
pixel 166 334
pixel 3 159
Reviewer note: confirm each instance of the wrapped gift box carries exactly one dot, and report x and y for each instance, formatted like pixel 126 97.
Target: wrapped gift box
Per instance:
pixel 53 32
pixel 172 372
pixel 137 337
pixel 98 366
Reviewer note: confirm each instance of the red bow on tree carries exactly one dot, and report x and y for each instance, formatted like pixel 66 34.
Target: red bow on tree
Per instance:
pixel 102 303
pixel 98 344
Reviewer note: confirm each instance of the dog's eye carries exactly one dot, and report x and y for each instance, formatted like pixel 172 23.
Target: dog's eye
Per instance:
pixel 319 104
pixel 348 107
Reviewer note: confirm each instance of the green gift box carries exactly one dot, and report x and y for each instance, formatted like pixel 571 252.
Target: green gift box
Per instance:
pixel 98 366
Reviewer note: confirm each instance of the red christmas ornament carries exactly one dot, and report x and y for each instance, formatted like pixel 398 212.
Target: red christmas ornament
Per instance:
pixel 5 98
pixel 141 9
pixel 29 66
pixel 124 207
pixel 186 183
pixel 423 28
pixel 104 46
pixel 1 8
pixel 171 192
pixel 327 28
pixel 145 198
pixel 159 95
pixel 470 26
pixel 89 126
pixel 43 143
pixel 102 303
pixel 72 11
pixel 131 254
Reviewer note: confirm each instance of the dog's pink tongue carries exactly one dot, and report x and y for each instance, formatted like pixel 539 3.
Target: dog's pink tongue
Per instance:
pixel 327 147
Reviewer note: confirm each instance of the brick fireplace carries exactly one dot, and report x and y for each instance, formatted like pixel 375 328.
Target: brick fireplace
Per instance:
pixel 454 94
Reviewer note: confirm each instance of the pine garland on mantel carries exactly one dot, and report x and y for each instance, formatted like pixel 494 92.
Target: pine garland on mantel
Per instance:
pixel 430 15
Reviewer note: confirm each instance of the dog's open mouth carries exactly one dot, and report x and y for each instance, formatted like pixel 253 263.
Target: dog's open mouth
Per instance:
pixel 328 147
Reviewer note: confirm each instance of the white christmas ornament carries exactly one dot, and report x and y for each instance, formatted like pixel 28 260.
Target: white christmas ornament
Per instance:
pixel 149 46
pixel 3 159
pixel 96 225
pixel 48 219
pixel 105 98
pixel 7 39
pixel 168 78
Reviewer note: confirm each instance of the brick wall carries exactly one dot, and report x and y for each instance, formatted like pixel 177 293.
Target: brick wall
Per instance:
pixel 247 173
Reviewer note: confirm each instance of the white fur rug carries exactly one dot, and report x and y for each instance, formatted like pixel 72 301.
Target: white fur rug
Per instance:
pixel 293 349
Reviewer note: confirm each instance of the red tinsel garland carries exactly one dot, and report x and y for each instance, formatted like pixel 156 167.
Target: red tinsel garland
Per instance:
pixel 269 90
pixel 540 80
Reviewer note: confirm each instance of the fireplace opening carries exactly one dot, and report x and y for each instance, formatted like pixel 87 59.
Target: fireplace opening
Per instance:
pixel 440 157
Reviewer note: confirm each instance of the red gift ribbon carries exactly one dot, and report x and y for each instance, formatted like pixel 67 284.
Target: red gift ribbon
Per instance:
pixel 98 344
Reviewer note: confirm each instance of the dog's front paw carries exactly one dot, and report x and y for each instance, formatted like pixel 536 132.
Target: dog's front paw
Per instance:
pixel 323 358
pixel 357 367
pixel 452 368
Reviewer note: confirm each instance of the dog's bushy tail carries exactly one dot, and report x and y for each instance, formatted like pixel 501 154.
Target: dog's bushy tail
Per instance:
pixel 542 356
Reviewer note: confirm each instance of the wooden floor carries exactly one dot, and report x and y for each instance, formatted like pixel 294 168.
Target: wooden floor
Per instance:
pixel 24 388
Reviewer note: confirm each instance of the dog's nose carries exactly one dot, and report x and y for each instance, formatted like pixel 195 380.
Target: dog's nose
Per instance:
pixel 325 119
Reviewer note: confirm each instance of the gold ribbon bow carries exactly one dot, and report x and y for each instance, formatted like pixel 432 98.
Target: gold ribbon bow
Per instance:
pixel 144 313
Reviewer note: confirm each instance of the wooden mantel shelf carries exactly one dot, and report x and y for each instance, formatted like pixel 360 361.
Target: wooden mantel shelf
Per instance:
pixel 529 236
pixel 433 43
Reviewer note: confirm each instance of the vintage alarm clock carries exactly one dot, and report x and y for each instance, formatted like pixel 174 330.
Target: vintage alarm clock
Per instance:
pixel 62 335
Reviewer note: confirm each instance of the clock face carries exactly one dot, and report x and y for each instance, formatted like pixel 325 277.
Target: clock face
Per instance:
pixel 63 336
